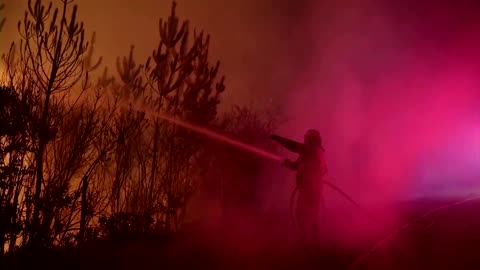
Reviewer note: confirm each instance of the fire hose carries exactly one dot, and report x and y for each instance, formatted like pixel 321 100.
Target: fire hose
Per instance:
pixel 338 190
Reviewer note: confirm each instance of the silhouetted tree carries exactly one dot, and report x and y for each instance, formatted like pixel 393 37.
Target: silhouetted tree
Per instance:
pixel 51 64
pixel 82 159
pixel 182 84
pixel 129 127
pixel 178 80
pixel 15 122
pixel 52 45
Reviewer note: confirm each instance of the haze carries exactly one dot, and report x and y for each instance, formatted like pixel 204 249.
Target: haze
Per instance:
pixel 392 87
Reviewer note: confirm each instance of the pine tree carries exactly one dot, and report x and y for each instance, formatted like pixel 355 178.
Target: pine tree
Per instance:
pixel 178 80
pixel 51 49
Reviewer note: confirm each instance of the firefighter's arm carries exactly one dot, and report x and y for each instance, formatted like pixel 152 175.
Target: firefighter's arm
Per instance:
pixel 291 145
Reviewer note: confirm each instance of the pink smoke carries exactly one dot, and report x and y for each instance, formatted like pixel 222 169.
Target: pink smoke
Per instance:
pixel 389 96
pixel 412 107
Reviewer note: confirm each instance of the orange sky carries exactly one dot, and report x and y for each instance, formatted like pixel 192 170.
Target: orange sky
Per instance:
pixel 246 35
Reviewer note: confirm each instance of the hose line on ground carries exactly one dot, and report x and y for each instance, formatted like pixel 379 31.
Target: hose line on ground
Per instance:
pixel 337 189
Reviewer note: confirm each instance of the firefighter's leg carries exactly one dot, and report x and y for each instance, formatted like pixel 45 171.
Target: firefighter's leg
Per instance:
pixel 315 221
pixel 321 216
pixel 302 218
pixel 307 219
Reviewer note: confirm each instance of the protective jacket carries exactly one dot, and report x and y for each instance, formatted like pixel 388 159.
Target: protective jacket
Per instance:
pixel 311 168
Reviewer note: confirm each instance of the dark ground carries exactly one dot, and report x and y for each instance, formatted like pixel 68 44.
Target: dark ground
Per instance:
pixel 447 239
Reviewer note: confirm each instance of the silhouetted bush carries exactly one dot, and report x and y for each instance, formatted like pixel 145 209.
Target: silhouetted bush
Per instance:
pixel 84 160
pixel 125 224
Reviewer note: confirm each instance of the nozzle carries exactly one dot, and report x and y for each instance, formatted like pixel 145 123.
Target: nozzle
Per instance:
pixel 274 137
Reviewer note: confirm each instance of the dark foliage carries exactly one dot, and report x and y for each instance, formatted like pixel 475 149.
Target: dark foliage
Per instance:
pixel 87 160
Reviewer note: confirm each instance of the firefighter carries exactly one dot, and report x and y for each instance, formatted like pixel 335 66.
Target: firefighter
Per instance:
pixel 311 168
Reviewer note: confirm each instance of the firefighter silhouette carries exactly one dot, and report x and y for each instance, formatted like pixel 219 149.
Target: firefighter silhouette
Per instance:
pixel 310 168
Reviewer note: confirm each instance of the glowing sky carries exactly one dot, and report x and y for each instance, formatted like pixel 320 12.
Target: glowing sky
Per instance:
pixel 251 38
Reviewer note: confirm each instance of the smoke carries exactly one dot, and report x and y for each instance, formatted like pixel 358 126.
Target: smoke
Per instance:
pixel 393 90
pixel 388 91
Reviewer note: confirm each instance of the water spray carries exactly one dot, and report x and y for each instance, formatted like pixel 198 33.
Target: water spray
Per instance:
pixel 206 132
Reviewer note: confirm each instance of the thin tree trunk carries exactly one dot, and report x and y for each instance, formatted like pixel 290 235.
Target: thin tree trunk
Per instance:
pixel 83 213
pixel 39 172
pixel 43 138
pixel 13 233
pixel 154 166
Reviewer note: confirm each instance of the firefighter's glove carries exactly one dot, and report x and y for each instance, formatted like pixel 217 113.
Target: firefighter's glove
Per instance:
pixel 287 163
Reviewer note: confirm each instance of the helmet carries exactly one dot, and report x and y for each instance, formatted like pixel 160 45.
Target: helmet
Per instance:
pixel 313 136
